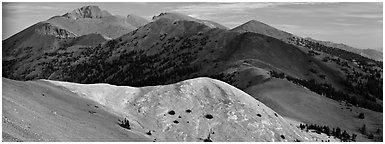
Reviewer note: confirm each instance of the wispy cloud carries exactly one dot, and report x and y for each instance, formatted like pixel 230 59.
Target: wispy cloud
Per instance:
pixel 286 26
pixel 206 9
pixel 366 16
pixel 23 7
pixel 343 24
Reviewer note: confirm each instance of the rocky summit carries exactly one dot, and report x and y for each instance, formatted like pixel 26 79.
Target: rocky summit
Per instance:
pixel 87 12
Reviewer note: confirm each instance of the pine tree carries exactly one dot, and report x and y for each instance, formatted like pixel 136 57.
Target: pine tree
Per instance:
pixel 363 130
pixel 354 136
pixel 338 132
pixel 327 130
pixel 345 136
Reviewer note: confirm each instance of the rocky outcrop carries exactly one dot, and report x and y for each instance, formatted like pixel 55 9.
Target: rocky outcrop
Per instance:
pixel 87 12
pixel 49 29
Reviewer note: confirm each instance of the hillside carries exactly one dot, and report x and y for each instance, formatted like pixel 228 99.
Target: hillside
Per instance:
pixel 295 102
pixel 369 53
pixel 40 111
pixel 82 28
pixel 46 35
pixel 262 28
pixel 179 112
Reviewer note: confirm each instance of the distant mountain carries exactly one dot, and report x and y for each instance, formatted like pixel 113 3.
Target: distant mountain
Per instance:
pixel 262 28
pixel 83 27
pixel 136 21
pixel 370 53
pixel 178 16
pixel 91 19
pixel 192 45
pixel 81 21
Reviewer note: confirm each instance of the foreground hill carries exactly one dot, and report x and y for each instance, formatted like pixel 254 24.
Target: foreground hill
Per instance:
pixel 200 109
pixel 40 111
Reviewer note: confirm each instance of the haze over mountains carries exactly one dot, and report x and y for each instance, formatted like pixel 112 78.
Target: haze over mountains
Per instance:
pixel 91 46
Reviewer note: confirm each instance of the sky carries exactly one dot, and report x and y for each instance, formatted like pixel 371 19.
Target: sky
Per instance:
pixel 356 24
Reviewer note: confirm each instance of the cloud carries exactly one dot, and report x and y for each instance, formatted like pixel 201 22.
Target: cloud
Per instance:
pixel 207 9
pixel 343 24
pixel 25 7
pixel 286 26
pixel 222 7
pixel 366 16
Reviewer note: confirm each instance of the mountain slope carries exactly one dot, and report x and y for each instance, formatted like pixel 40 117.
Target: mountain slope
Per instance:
pixel 40 111
pixel 149 55
pixel 200 109
pixel 295 102
pixel 37 37
pixel 82 21
pixel 370 53
pixel 262 28
pixel 80 29
pixel 162 43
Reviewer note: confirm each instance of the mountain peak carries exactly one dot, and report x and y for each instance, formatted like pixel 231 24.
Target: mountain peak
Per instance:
pixel 255 22
pixel 87 12
pixel 183 17
pixel 174 16
pixel 262 28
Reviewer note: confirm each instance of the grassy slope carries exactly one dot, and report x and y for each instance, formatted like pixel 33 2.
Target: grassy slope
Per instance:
pixel 298 103
pixel 59 115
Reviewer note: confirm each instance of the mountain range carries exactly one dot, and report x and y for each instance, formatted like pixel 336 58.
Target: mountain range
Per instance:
pixel 286 72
